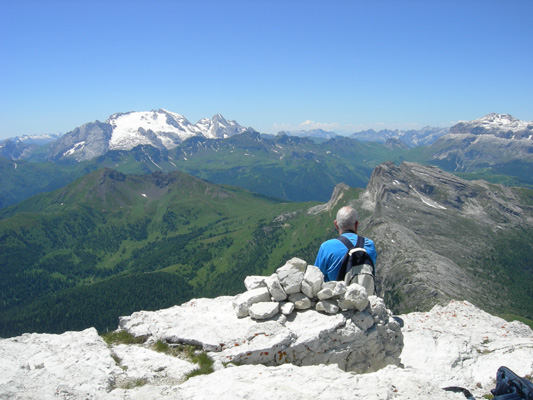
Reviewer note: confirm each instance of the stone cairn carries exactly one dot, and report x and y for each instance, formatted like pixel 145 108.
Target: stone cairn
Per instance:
pixel 297 286
pixel 330 323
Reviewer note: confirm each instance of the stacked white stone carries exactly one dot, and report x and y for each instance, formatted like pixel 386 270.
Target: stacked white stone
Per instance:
pixel 297 286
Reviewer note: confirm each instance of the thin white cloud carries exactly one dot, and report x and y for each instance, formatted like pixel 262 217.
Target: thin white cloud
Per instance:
pixel 327 126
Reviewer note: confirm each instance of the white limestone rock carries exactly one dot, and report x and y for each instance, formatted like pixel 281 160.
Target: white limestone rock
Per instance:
pixel 300 300
pixel 143 364
pixel 355 297
pixel 263 310
pixel 378 309
pixel 298 263
pixel 312 282
pixel 364 321
pixel 287 308
pixel 329 285
pixel 325 293
pixel 254 282
pixel 242 302
pixel 327 306
pixel 71 365
pixel 340 288
pixel 275 288
pixel 291 275
pixel 463 346
pixel 303 338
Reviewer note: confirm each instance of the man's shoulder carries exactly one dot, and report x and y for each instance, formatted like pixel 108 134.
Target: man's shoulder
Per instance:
pixel 335 242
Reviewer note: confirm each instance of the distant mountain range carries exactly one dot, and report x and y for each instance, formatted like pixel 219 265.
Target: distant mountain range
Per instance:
pixel 497 148
pixel 161 129
pixel 164 129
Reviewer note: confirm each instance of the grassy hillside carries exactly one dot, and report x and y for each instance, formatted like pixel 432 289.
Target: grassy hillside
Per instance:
pixel 289 168
pixel 59 249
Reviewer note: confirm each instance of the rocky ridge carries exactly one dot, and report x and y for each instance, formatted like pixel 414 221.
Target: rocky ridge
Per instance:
pixel 452 345
pixel 306 322
pixel 419 217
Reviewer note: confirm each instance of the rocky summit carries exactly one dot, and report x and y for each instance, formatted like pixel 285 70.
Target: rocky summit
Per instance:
pixel 297 354
pixel 297 328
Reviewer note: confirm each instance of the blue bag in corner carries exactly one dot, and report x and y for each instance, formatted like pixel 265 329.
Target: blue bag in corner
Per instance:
pixel 510 386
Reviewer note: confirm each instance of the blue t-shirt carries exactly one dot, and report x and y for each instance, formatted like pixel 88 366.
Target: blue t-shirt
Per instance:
pixel 332 252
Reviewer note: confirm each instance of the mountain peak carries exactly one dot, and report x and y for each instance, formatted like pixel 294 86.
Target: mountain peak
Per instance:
pixel 499 125
pixel 162 129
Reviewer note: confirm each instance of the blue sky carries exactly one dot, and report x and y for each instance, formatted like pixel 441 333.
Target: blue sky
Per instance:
pixel 273 65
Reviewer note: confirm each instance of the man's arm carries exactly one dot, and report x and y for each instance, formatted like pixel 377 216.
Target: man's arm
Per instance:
pixel 371 249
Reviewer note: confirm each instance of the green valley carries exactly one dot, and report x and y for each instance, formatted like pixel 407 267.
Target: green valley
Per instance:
pixel 107 232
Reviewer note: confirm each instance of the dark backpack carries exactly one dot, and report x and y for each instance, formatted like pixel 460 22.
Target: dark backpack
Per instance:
pixel 352 263
pixel 510 386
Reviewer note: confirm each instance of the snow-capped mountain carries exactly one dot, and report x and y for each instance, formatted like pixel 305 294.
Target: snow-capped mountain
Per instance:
pixel 500 125
pixel 161 128
pixel 19 147
pixel 38 140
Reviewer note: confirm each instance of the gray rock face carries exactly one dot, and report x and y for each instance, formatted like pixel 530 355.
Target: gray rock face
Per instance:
pixel 419 216
pixel 84 143
pixel 496 141
pixel 254 327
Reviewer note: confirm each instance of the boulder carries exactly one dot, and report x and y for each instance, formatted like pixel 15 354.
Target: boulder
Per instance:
pixel 327 306
pixel 355 297
pixel 291 275
pixel 312 282
pixel 300 300
pixel 254 282
pixel 274 287
pixel 263 310
pixel 305 338
pixel 242 302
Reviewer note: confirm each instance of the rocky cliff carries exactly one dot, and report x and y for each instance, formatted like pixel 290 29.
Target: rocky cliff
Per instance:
pixel 431 229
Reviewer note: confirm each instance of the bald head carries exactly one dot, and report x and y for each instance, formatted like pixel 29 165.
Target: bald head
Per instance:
pixel 347 219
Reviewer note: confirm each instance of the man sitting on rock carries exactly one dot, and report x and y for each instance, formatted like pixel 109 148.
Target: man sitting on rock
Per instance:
pixel 332 251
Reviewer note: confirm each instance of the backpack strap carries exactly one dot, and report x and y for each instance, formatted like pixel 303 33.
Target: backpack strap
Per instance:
pixel 349 245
